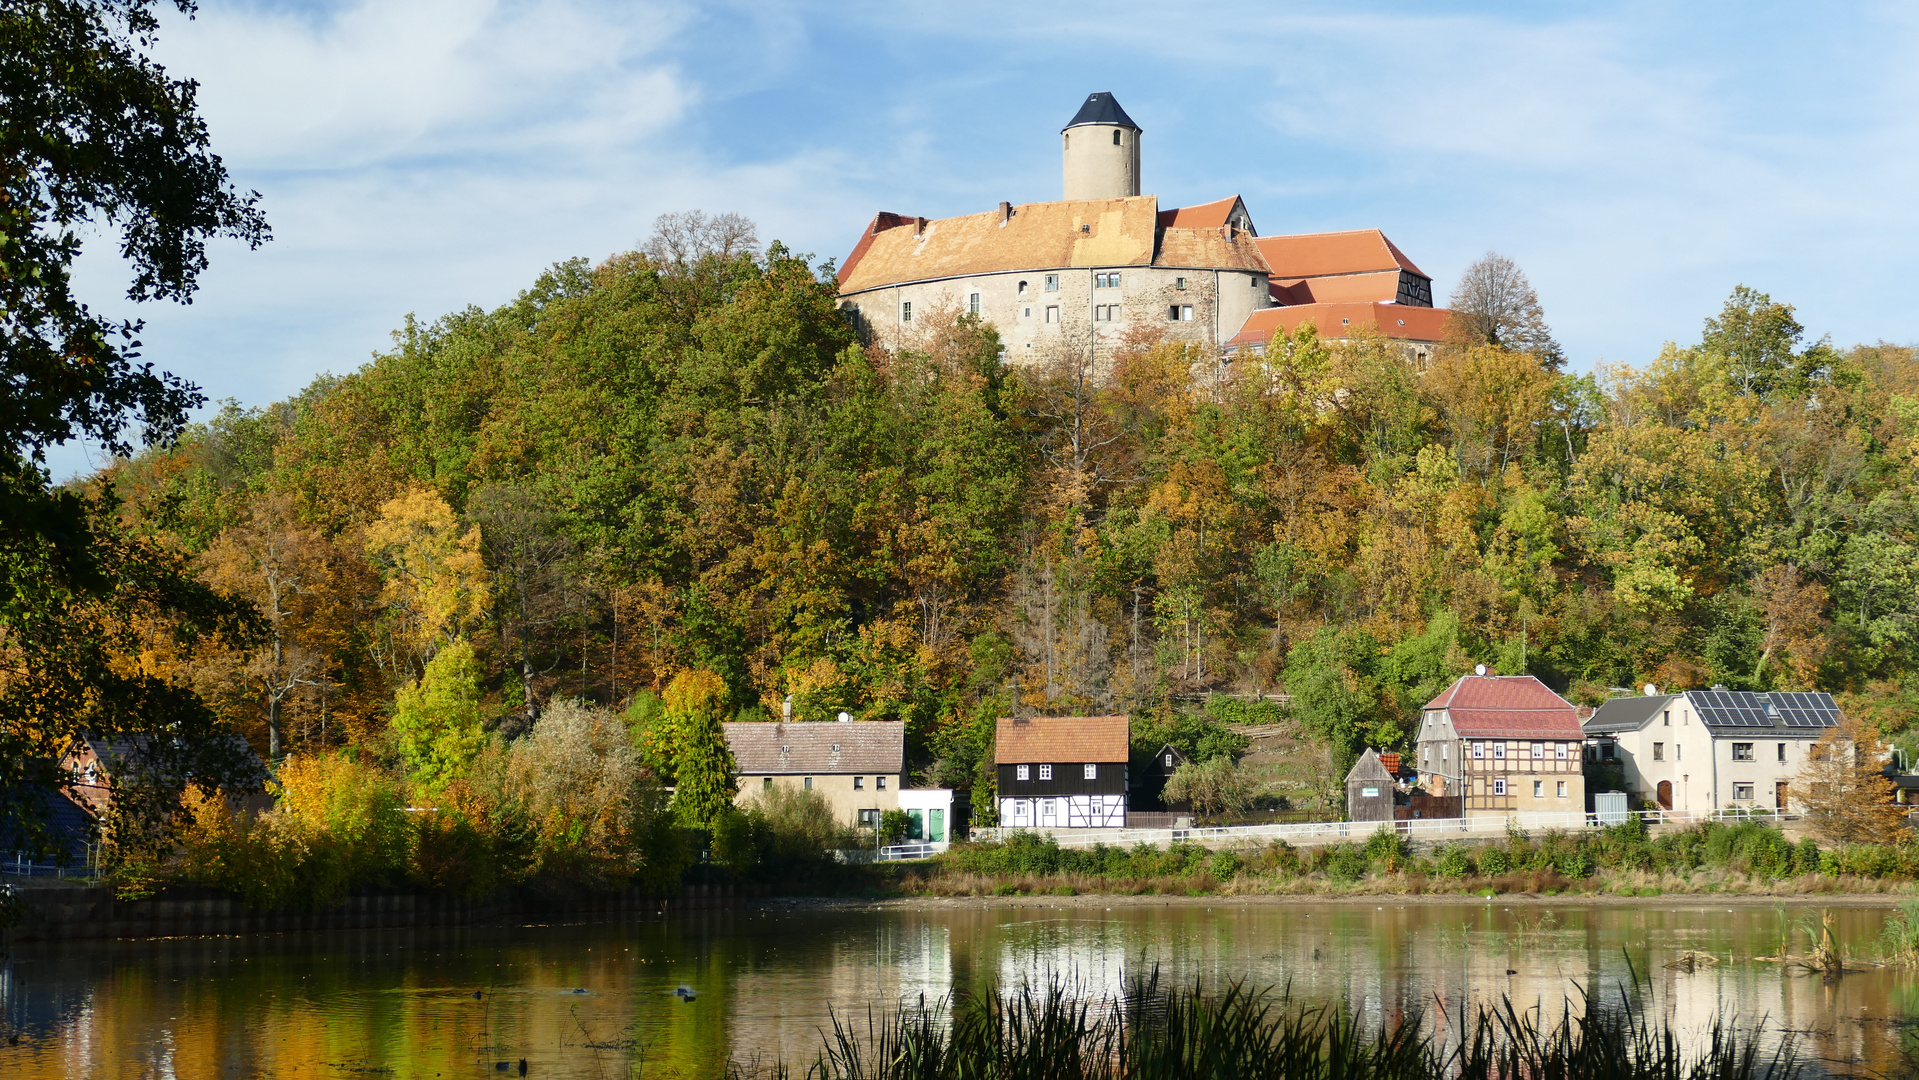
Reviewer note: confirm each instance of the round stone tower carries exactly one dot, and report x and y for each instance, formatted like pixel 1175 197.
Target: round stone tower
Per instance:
pixel 1101 151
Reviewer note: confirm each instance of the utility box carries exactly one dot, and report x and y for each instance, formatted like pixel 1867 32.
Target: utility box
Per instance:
pixel 1610 807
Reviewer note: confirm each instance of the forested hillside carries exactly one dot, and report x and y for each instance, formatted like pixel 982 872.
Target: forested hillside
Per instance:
pixel 689 462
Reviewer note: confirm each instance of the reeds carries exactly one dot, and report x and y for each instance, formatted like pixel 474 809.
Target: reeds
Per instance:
pixel 1157 1033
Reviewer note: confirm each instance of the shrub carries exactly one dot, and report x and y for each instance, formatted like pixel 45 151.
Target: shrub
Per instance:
pixel 1223 865
pixel 1454 862
pixel 894 825
pixel 1345 862
pixel 1495 860
pixel 1386 848
pixel 577 785
pixel 1805 857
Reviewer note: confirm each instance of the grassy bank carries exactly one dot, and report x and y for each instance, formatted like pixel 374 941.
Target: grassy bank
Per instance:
pixel 1156 1032
pixel 1712 858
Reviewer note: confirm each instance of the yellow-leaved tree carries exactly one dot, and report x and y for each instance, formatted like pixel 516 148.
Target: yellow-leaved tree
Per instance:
pixel 436 578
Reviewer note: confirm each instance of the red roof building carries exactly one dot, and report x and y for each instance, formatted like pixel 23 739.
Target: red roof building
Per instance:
pixel 1506 743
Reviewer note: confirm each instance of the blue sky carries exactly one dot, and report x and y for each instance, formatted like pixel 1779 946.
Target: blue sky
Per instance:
pixel 1637 159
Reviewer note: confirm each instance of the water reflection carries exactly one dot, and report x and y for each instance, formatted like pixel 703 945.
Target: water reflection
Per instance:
pixel 597 1000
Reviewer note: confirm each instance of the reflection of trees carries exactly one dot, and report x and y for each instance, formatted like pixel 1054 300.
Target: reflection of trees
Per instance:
pixel 284 1005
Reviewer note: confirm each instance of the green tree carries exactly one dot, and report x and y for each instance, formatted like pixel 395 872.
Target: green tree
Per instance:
pixel 706 777
pixel 437 720
pixel 92 133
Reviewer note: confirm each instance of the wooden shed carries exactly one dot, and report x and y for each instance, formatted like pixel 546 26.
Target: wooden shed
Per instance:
pixel 1369 789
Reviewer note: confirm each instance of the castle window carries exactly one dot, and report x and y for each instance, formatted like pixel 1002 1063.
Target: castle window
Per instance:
pixel 1180 313
pixel 1099 313
pixel 1115 137
pixel 1106 281
pixel 1026 312
pixel 1052 283
pixel 1052 313
pixel 906 311
pixel 1179 283
pixel 972 304
pixel 1022 288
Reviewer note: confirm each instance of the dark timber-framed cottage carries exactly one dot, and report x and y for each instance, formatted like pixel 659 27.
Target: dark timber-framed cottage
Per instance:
pixel 1063 772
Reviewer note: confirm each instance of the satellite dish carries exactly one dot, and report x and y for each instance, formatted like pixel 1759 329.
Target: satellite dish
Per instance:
pixel 1479 669
pixel 1651 690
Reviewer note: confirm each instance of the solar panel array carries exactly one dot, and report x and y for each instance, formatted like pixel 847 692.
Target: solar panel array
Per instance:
pixel 1739 708
pixel 1807 710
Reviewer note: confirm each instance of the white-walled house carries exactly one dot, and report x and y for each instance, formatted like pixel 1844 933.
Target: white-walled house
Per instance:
pixel 1717 749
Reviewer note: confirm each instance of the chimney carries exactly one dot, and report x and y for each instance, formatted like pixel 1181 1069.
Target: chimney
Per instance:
pixel 919 227
pixel 786 708
pixel 1005 212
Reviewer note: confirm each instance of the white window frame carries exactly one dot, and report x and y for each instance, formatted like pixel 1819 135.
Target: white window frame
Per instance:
pixel 906 311
pixel 1052 283
pixel 1539 751
pixel 1748 796
pixel 972 304
pixel 1045 772
pixel 1022 772
pixel 1499 750
pixel 1559 751
pixel 1562 789
pixel 1499 785
pixel 1539 789
pixel 1749 749
pixel 1479 751
pixel 1091 772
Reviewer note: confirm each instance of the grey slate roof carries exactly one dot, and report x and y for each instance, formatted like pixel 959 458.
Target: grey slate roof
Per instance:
pixel 1726 713
pixel 1625 714
pixel 1101 108
pixel 818 747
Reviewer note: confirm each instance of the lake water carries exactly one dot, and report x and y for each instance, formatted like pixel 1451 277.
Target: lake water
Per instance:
pixel 593 1001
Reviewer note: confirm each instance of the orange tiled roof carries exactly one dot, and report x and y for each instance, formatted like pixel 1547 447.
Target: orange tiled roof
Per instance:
pixel 1204 216
pixel 1335 321
pixel 1359 251
pixel 1375 288
pixel 1062 738
pixel 897 248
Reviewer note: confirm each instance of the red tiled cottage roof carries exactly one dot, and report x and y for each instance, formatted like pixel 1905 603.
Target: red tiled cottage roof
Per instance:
pixel 1508 706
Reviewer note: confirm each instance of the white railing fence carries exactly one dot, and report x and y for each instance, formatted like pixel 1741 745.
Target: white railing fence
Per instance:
pixel 1335 831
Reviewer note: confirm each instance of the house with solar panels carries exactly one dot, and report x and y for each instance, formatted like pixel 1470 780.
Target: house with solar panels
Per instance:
pixel 1704 750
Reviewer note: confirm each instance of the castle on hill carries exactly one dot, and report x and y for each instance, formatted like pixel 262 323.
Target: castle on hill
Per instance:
pixel 1106 259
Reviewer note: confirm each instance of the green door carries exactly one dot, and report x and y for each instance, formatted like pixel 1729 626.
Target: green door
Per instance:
pixel 936 826
pixel 918 830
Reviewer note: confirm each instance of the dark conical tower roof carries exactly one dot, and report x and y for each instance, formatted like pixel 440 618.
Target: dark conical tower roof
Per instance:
pixel 1101 108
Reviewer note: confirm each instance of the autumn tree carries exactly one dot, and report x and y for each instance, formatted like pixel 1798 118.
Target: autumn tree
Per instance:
pixel 1844 790
pixel 1495 304
pixel 436 577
